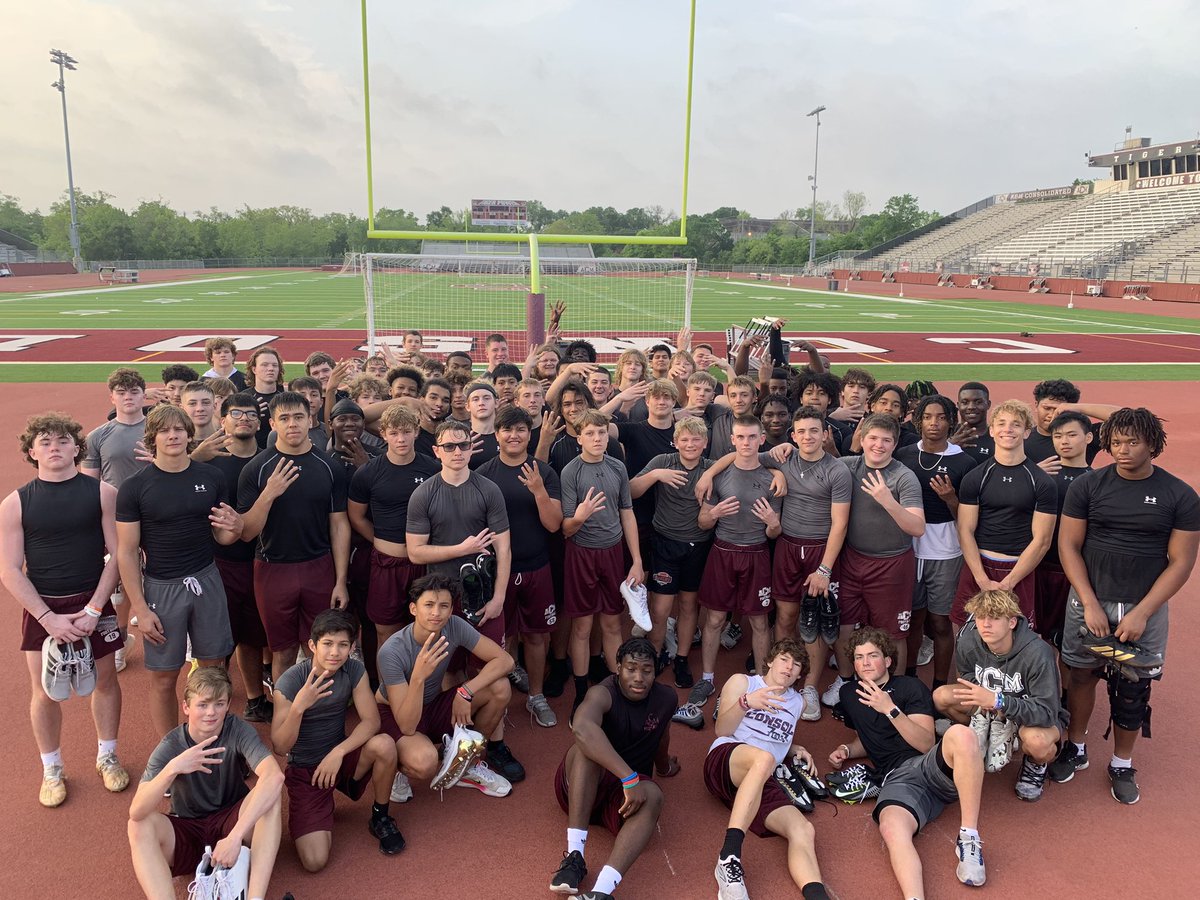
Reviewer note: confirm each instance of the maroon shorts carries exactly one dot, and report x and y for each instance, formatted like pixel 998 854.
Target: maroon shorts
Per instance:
pixel 737 579
pixel 610 797
pixel 592 580
pixel 795 560
pixel 311 808
pixel 387 596
pixel 436 718
pixel 193 835
pixel 1051 588
pixel 105 639
pixel 997 570
pixel 721 786
pixel 244 620
pixel 877 591
pixel 529 604
pixel 290 596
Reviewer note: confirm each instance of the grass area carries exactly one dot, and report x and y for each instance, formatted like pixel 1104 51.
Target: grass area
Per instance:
pixel 479 302
pixel 257 302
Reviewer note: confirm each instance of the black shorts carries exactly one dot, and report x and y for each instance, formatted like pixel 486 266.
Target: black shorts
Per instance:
pixel 677 565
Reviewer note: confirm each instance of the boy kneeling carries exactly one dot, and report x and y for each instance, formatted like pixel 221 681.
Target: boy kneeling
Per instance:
pixel 200 764
pixel 311 699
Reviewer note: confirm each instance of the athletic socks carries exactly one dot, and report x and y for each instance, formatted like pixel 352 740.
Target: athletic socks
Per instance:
pixel 53 758
pixel 577 840
pixel 968 834
pixel 1117 763
pixel 733 843
pixel 379 810
pixel 104 747
pixel 581 686
pixel 814 890
pixel 709 677
pixel 607 880
pixel 1082 748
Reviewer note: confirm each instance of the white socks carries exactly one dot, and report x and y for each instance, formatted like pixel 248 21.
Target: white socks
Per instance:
pixel 53 758
pixel 105 747
pixel 1117 763
pixel 607 880
pixel 576 840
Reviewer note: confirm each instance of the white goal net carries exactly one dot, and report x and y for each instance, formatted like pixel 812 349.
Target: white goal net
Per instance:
pixel 457 301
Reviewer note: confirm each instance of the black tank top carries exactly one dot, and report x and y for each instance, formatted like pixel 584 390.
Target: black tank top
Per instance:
pixel 636 729
pixel 64 537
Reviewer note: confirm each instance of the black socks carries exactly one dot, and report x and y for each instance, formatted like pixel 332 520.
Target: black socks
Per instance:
pixel 733 843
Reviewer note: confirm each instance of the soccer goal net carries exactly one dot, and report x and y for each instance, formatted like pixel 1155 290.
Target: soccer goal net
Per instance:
pixel 352 264
pixel 457 301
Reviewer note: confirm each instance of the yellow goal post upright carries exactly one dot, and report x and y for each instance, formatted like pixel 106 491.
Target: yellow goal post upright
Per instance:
pixel 535 312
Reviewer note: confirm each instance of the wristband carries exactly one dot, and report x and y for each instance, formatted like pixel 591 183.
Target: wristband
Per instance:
pixel 999 700
pixel 43 615
pixel 630 781
pixel 94 613
pixel 743 702
pixel 825 570
pixel 464 692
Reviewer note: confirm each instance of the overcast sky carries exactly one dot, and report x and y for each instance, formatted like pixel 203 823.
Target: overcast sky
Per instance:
pixel 578 102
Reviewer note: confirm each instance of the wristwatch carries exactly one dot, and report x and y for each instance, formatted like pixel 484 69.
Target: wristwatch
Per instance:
pixel 894 712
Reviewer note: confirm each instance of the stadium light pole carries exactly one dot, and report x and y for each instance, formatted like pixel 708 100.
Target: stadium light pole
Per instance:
pixel 65 61
pixel 812 225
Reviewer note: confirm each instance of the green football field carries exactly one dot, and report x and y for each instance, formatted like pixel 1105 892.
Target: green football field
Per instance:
pixel 276 300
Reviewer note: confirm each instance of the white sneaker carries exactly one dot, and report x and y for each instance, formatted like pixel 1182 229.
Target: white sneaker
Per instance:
pixel 833 693
pixel 730 635
pixel 481 777
pixel 83 676
pixel 119 657
pixel 639 606
pixel 731 879
pixel 925 654
pixel 459 751
pixel 401 790
pixel 670 644
pixel 58 665
pixel 812 704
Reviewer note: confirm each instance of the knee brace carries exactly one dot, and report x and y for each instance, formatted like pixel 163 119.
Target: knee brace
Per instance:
pixel 1129 703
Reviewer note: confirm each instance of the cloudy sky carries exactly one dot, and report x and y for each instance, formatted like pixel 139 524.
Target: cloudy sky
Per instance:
pixel 577 102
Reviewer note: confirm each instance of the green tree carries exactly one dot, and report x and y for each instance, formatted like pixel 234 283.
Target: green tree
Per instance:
pixel 23 224
pixel 160 232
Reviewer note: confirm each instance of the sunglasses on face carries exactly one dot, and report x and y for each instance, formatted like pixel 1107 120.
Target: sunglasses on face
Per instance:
pixel 464 446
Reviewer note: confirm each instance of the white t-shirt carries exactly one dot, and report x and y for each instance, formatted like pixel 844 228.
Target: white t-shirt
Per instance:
pixel 770 730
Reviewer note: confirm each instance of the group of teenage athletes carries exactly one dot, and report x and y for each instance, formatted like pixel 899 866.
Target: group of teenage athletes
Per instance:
pixel 406 537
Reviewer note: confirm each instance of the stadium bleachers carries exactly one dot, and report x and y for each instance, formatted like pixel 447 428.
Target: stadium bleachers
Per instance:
pixel 500 248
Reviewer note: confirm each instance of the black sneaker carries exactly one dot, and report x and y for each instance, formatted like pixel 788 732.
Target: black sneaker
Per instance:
pixel 268 679
pixel 683 674
pixel 473 598
pixel 595 895
pixel 501 760
pixel 556 680
pixel 391 841
pixel 809 620
pixel 572 871
pixel 830 617
pixel 812 782
pixel 787 779
pixel 260 709
pixel 662 662
pixel 1069 761
pixel 751 666
pixel 1124 788
pixel 598 670
pixel 1124 654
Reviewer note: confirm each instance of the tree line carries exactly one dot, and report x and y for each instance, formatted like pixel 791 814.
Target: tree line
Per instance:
pixel 154 230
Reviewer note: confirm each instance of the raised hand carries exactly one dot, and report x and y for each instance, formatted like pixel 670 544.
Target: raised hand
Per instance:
pixel 281 479
pixel 727 507
pixel 435 649
pixel 316 687
pixel 226 518
pixel 593 502
pixel 477 543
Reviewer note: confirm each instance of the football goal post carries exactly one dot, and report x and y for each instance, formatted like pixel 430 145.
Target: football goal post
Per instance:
pixel 457 301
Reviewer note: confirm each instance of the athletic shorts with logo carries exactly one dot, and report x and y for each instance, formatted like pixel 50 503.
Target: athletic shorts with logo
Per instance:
pixel 192 607
pixel 105 638
pixel 796 559
pixel 529 603
pixel 936 584
pixel 997 570
pixel 310 808
pixel 610 797
pixel 1153 639
pixel 244 620
pixel 677 565
pixel 737 579
pixel 290 596
pixel 877 590
pixel 721 786
pixel 437 718
pixel 923 785
pixel 592 580
pixel 390 580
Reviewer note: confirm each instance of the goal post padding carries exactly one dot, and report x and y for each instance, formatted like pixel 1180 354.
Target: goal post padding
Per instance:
pixel 457 301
